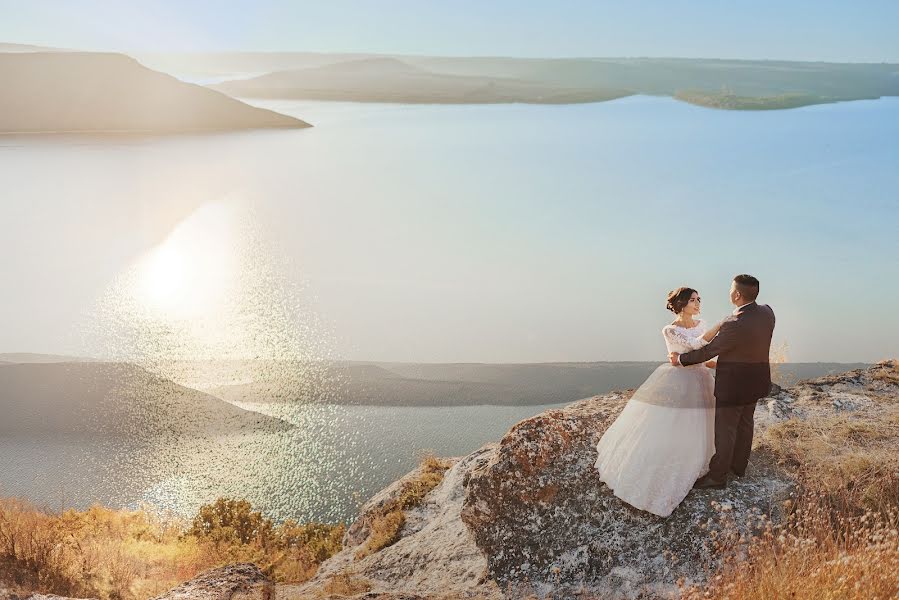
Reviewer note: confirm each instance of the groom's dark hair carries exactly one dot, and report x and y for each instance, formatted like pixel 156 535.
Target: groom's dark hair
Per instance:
pixel 748 286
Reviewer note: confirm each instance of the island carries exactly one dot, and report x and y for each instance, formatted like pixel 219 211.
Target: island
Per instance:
pixel 387 79
pixel 713 83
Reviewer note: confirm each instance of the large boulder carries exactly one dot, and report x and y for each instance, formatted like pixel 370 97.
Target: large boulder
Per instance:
pixel 541 515
pixel 433 534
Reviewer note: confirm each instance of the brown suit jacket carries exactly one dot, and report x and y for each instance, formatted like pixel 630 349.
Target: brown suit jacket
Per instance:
pixel 743 374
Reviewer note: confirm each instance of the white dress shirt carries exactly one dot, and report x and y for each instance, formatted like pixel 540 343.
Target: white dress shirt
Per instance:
pixel 736 310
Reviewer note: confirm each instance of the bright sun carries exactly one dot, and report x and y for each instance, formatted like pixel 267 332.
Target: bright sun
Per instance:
pixel 192 272
pixel 211 290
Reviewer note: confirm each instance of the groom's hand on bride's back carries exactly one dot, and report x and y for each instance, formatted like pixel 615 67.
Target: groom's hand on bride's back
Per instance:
pixel 673 358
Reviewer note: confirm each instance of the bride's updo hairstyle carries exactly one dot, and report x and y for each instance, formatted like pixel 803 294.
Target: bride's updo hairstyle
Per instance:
pixel 678 299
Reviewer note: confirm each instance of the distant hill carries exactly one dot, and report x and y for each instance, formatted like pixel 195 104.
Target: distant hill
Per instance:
pixel 386 79
pixel 7 47
pixel 48 92
pixel 116 399
pixel 460 384
pixel 717 83
pixel 31 357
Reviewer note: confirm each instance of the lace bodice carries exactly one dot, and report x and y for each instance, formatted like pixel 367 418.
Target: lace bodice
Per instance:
pixel 681 339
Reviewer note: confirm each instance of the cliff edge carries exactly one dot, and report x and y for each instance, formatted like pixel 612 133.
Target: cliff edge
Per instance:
pixel 529 510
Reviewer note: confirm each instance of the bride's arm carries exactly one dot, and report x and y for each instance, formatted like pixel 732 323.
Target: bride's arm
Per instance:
pixel 713 331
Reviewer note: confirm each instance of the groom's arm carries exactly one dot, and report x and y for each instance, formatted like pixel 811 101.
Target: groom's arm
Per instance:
pixel 725 340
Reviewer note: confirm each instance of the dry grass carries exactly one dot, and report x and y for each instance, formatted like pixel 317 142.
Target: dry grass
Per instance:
pixel 840 537
pixel 388 522
pixel 133 555
pixel 344 583
pixel 777 357
pixel 888 371
pixel 852 459
pixel 815 554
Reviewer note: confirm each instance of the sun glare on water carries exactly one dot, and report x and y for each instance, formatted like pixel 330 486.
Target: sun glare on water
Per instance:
pixel 193 271
pixel 211 293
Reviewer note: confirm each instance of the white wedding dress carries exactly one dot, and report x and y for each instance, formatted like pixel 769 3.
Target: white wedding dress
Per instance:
pixel 664 438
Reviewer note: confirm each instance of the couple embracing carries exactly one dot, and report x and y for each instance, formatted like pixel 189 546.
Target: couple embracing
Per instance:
pixel 684 428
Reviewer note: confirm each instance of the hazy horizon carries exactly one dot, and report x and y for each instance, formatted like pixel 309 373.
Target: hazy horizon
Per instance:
pixel 704 29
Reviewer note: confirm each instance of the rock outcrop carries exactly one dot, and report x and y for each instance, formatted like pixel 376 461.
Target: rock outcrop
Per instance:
pixel 8 594
pixel 241 581
pixel 433 534
pixel 540 513
pixel 529 512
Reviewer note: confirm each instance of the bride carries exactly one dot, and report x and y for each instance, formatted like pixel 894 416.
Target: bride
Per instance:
pixel 662 441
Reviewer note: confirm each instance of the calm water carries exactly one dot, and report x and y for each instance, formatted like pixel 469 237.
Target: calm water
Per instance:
pixel 506 233
pixel 324 469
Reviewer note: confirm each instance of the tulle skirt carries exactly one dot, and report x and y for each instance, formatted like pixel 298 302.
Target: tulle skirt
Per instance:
pixel 662 441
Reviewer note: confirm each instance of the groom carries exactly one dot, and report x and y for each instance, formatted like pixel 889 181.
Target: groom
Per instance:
pixel 742 377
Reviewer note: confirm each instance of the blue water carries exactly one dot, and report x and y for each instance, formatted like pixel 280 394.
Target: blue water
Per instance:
pixel 324 469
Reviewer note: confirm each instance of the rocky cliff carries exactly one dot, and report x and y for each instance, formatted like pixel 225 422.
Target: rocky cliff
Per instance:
pixel 529 513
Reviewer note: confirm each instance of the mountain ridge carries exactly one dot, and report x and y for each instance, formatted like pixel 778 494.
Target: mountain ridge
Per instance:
pixel 116 399
pixel 105 92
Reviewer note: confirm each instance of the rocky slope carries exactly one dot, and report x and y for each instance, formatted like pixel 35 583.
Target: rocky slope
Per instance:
pixel 52 92
pixel 529 510
pixel 242 581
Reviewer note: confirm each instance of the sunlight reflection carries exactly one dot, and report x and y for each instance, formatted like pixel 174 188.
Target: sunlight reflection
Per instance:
pixel 192 272
pixel 211 306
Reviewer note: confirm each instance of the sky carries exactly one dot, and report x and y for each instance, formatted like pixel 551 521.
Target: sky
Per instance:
pixel 812 30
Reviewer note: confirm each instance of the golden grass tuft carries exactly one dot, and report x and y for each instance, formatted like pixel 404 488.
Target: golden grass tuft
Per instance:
pixel 887 371
pixel 343 583
pixel 779 356
pixel 840 538
pixel 815 554
pixel 388 522
pixel 853 459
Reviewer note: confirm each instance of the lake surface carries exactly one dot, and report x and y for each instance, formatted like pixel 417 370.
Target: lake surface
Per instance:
pixel 323 470
pixel 497 233
pixel 501 233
